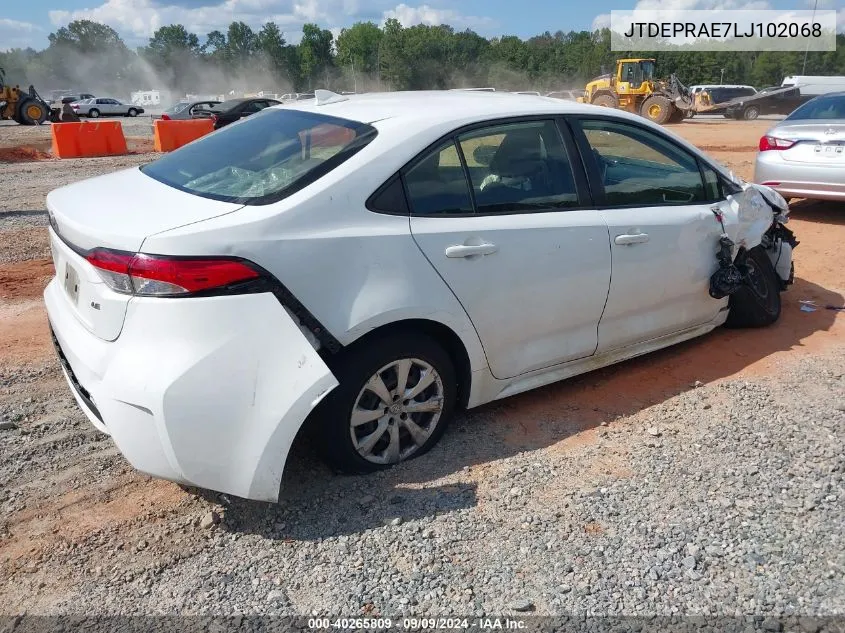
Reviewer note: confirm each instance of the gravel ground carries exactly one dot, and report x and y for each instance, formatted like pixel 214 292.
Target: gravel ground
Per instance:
pixel 726 499
pixel 22 211
pixel 13 134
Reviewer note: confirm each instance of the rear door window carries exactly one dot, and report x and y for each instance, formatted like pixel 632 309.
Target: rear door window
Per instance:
pixel 519 167
pixel 437 184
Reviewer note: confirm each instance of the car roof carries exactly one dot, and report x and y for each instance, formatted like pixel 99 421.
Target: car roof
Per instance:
pixel 420 117
pixel 446 106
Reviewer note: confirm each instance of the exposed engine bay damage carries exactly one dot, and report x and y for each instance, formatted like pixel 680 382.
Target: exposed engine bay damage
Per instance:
pixel 756 216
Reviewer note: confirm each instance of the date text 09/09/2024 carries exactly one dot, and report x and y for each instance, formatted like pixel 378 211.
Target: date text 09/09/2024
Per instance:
pixel 724 29
pixel 416 624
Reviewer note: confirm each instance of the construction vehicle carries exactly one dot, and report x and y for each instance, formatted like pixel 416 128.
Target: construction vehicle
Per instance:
pixel 633 88
pixel 24 107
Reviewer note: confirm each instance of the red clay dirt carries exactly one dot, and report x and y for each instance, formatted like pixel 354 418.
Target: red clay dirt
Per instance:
pixel 22 154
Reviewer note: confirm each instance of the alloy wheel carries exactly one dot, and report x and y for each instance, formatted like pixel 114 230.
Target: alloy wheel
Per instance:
pixel 396 411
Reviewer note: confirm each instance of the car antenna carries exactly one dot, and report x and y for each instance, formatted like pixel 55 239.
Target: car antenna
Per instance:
pixel 322 97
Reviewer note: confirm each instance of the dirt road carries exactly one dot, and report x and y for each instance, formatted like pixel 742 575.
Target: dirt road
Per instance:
pixel 707 478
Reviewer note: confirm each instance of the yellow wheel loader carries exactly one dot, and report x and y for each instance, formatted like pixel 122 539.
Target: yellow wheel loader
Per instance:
pixel 24 107
pixel 633 88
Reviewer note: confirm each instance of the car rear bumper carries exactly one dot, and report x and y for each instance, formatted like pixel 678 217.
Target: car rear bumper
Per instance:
pixel 208 392
pixel 799 180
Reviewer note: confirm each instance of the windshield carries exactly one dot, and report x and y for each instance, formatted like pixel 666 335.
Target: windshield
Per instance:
pixel 647 70
pixel 832 107
pixel 263 158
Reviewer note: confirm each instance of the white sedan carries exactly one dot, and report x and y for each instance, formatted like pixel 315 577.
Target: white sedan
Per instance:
pixel 104 106
pixel 365 265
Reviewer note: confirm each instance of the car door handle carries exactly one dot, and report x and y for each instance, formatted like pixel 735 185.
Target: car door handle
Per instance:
pixel 468 250
pixel 635 238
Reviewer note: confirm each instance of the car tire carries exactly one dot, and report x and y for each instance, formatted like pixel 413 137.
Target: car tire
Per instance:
pixel 750 113
pixel 757 303
pixel 344 444
pixel 132 112
pixel 93 113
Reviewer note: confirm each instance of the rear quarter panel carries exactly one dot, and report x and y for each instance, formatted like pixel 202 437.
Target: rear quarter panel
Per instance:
pixel 353 269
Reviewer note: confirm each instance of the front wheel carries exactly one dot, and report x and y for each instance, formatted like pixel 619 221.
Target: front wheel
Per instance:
pixel 657 108
pixel 757 302
pixel 396 396
pixel 32 112
pixel 606 101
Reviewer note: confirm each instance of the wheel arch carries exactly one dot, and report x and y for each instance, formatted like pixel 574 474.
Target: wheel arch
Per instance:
pixel 604 93
pixel 443 334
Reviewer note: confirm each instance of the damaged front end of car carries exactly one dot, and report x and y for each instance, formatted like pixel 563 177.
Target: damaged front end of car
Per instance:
pixel 755 216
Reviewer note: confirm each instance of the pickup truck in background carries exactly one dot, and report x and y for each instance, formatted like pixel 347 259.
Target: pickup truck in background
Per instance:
pixel 771 100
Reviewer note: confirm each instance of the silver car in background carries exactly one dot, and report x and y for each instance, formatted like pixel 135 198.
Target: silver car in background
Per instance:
pixel 803 156
pixel 104 106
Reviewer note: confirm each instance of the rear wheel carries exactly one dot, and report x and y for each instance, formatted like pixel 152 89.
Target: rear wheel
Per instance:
pixel 396 396
pixel 606 101
pixel 657 108
pixel 757 302
pixel 750 113
pixel 32 112
pixel 132 112
pixel 93 113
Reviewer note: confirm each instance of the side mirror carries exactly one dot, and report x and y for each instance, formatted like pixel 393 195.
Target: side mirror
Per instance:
pixel 483 154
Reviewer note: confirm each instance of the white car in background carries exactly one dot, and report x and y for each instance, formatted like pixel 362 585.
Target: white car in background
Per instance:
pixel 365 267
pixel 105 106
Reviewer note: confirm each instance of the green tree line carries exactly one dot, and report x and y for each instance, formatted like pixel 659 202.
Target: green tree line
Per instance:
pixel 86 55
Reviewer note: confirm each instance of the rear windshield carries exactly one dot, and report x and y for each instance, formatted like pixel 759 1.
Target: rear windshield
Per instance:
pixel 228 105
pixel 263 158
pixel 820 108
pixel 177 107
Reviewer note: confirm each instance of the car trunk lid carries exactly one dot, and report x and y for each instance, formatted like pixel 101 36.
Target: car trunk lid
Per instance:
pixel 117 211
pixel 816 141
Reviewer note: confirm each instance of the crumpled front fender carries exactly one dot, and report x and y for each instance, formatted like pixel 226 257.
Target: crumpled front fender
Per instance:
pixel 751 212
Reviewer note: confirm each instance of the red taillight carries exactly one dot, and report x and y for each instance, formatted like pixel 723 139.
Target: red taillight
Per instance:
pixel 773 143
pixel 165 117
pixel 75 107
pixel 154 276
pixel 214 118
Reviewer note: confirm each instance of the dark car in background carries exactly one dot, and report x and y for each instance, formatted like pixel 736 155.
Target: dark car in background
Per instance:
pixel 726 94
pixel 186 108
pixel 233 110
pixel 774 100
